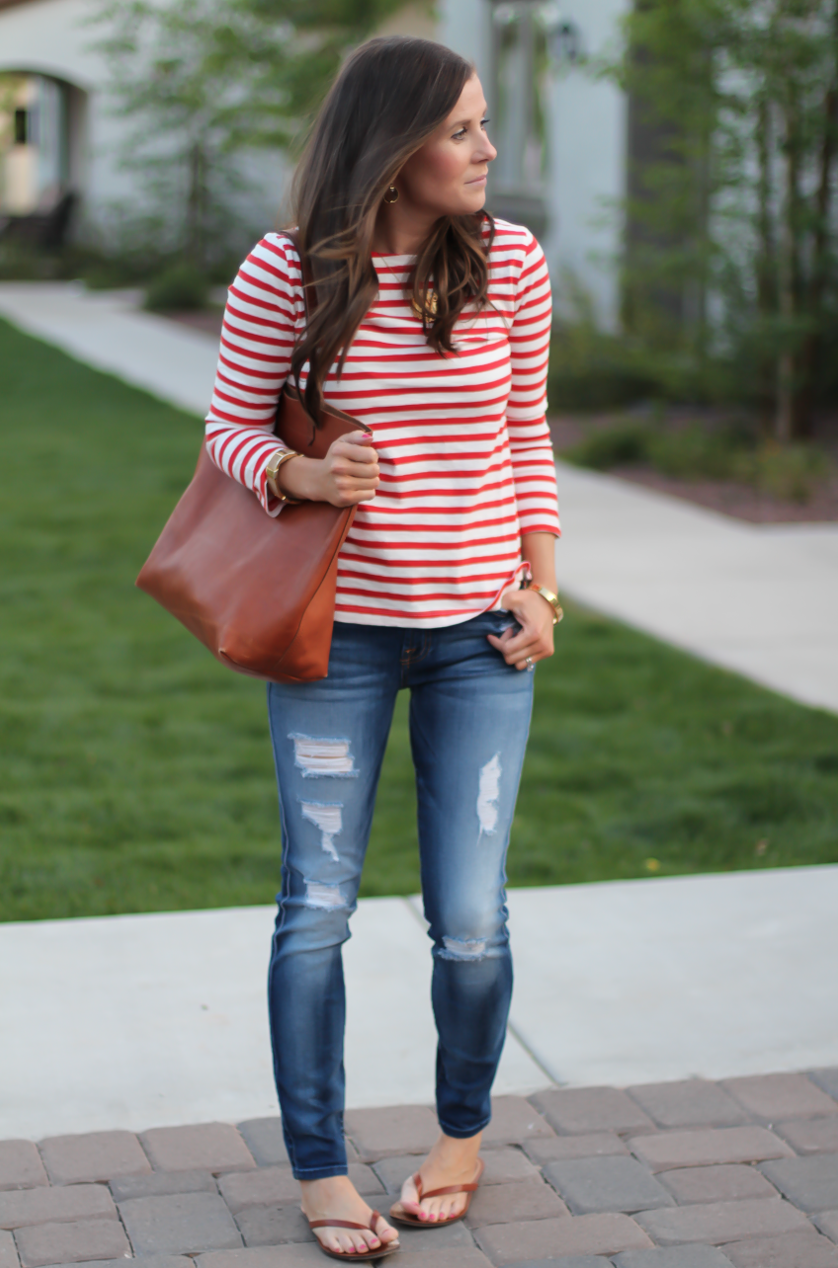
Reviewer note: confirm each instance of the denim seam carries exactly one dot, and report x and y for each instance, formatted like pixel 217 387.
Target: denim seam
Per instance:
pixel 416 652
pixel 285 867
pixel 285 874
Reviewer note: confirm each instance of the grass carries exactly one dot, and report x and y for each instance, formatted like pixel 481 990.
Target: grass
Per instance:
pixel 135 772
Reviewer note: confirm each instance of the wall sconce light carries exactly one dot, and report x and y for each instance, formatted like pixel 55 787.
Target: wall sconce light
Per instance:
pixel 564 38
pixel 566 42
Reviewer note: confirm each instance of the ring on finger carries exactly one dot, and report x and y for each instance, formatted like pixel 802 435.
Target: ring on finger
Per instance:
pixel 530 664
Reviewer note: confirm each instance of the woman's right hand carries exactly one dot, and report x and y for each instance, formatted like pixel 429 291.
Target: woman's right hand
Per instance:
pixel 347 475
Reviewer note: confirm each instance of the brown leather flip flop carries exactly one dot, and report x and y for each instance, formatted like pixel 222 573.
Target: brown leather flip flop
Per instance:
pixel 401 1216
pixel 358 1255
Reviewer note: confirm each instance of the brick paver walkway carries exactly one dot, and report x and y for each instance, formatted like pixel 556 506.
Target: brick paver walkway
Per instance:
pixel 693 1174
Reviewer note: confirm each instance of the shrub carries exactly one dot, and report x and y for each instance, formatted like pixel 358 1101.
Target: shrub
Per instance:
pixel 181 286
pixel 592 370
pixel 110 272
pixel 101 270
pixel 687 453
pixel 20 262
pixel 695 452
pixel 791 473
pixel 731 452
pixel 626 445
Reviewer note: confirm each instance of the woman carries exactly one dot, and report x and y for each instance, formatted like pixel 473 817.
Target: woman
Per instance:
pixel 432 327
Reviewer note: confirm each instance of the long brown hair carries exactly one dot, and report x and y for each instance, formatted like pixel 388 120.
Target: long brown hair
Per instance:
pixel 389 98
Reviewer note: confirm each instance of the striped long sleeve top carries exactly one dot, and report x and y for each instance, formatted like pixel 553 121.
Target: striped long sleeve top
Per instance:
pixel 463 445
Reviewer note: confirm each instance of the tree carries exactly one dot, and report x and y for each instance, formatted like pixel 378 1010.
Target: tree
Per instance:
pixel 203 82
pixel 730 215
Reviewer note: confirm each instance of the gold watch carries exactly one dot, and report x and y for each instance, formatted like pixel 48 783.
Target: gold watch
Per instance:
pixel 272 470
pixel 552 599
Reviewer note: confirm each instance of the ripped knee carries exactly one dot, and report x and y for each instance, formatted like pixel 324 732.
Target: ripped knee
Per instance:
pixel 324 897
pixel 318 757
pixel 488 794
pixel 463 948
pixel 323 758
pixel 328 817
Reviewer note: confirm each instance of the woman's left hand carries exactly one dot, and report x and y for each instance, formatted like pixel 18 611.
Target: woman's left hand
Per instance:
pixel 534 640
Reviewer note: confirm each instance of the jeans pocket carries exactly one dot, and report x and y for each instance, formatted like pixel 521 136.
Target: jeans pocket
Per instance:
pixel 505 621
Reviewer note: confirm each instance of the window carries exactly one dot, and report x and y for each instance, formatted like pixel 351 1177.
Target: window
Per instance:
pixel 21 127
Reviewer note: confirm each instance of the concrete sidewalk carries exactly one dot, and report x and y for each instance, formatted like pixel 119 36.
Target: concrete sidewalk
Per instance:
pixel 131 1021
pixel 760 600
pixel 107 330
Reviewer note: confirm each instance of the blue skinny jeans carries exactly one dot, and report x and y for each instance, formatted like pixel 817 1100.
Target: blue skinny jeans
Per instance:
pixel 469 720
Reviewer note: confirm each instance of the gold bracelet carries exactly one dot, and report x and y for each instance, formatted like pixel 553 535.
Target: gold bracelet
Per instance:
pixel 552 599
pixel 272 470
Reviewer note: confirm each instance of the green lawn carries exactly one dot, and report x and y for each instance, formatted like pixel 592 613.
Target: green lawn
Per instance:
pixel 136 772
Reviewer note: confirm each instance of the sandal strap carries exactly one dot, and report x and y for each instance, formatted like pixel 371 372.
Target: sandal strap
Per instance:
pixel 438 1193
pixel 451 1188
pixel 367 1228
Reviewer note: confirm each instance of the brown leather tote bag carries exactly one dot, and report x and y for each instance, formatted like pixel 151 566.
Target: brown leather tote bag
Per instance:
pixel 258 592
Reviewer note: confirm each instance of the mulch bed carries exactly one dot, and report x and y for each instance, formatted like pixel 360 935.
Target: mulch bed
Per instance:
pixel 206 319
pixel 742 501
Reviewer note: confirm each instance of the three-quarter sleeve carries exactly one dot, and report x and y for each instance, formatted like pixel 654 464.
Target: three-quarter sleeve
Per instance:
pixel 529 436
pixel 265 312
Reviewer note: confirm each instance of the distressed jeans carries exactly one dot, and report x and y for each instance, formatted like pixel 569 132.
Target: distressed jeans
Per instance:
pixel 469 720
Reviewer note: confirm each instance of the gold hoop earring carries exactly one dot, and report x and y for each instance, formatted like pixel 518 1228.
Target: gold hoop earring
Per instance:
pixel 392 195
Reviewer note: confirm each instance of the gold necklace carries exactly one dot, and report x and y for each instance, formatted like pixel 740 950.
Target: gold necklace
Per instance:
pixel 429 308
pixel 423 311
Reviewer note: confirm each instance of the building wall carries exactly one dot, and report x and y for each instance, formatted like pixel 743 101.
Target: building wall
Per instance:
pixel 46 38
pixel 51 39
pixel 586 118
pixel 590 160
pixel 586 140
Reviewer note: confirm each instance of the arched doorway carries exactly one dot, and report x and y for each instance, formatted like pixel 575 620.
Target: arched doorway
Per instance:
pixel 41 155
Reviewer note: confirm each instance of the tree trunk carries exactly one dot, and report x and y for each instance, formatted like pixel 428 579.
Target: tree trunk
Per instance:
pixel 813 346
pixel 766 264
pixel 195 207
pixel 704 176
pixel 784 422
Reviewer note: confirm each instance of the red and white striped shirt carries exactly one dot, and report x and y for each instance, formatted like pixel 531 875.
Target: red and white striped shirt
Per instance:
pixel 462 441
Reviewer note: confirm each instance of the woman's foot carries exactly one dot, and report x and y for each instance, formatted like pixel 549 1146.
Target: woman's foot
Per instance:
pixel 337 1198
pixel 450 1162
